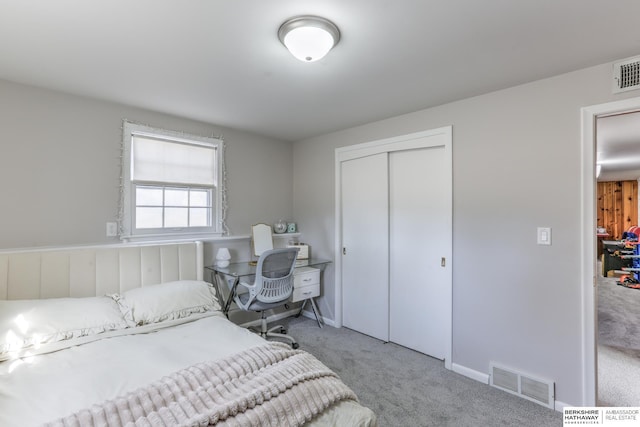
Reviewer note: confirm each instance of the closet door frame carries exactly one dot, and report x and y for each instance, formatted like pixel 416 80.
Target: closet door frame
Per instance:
pixel 440 137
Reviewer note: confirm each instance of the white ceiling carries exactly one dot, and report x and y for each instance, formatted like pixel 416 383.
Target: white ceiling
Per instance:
pixel 220 61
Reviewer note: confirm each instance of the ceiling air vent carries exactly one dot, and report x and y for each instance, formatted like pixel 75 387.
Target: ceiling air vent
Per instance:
pixel 626 75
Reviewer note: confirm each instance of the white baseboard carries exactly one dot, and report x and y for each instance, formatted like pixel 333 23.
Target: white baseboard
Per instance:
pixel 559 406
pixel 470 373
pixel 310 315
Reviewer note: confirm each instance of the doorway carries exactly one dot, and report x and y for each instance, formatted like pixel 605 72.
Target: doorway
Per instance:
pixel 617 302
pixel 590 274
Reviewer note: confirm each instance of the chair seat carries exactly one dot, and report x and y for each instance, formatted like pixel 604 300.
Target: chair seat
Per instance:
pixel 258 305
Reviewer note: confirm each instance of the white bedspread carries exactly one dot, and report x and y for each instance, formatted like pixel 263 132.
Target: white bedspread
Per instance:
pixel 49 386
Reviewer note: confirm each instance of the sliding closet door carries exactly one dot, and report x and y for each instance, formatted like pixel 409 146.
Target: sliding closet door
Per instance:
pixel 394 217
pixel 365 241
pixel 419 218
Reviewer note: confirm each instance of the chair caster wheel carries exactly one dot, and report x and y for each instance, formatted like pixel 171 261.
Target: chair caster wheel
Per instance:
pixel 295 345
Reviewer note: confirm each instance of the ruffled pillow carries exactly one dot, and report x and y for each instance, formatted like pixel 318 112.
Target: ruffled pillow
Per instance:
pixel 166 301
pixel 26 324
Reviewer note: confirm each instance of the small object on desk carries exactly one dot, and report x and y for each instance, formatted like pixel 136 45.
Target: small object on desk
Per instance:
pixel 222 257
pixel 303 253
pixel 280 227
pixel 261 239
pixel 291 227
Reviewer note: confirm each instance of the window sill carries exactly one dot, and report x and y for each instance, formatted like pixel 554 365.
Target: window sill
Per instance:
pixel 166 238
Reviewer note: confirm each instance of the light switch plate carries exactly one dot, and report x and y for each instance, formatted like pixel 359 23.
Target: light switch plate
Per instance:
pixel 112 229
pixel 544 235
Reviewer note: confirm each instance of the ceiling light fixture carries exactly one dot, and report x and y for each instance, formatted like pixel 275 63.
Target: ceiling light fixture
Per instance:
pixel 309 38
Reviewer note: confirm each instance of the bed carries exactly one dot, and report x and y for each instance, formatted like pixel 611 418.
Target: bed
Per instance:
pixel 132 335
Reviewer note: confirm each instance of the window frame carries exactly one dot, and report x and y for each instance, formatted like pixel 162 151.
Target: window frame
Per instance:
pixel 164 187
pixel 127 214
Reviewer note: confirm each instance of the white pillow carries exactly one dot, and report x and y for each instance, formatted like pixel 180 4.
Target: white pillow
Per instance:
pixel 27 324
pixel 166 301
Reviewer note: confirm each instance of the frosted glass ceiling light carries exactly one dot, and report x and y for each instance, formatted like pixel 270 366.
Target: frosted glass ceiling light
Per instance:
pixel 309 38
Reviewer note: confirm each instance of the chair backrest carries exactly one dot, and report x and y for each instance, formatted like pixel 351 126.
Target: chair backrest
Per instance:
pixel 274 275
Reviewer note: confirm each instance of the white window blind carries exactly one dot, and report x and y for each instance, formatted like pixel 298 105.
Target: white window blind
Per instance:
pixel 157 160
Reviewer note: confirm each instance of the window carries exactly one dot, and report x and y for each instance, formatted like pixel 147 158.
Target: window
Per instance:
pixel 172 184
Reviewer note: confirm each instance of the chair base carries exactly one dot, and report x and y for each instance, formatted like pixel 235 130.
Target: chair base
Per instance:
pixel 266 332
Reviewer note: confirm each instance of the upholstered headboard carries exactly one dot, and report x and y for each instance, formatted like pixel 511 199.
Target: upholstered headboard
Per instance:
pixel 96 270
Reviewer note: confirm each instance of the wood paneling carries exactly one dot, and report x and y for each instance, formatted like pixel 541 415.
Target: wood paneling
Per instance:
pixel 617 206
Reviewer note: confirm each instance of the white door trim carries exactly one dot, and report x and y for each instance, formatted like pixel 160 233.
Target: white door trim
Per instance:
pixel 403 142
pixel 588 241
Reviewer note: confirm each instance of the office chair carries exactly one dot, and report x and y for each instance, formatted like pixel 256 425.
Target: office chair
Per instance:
pixel 272 287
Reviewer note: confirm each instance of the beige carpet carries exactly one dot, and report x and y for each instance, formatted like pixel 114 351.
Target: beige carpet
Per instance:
pixel 618 344
pixel 408 389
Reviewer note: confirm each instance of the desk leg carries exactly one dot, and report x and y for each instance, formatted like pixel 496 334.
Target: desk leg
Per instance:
pixel 227 304
pixel 316 312
pixel 215 281
pixel 304 303
pixel 314 307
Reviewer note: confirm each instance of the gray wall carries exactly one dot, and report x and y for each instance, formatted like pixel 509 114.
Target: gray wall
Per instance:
pixel 516 167
pixel 516 162
pixel 60 168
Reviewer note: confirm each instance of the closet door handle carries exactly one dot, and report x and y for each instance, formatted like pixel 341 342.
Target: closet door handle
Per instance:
pixel 344 251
